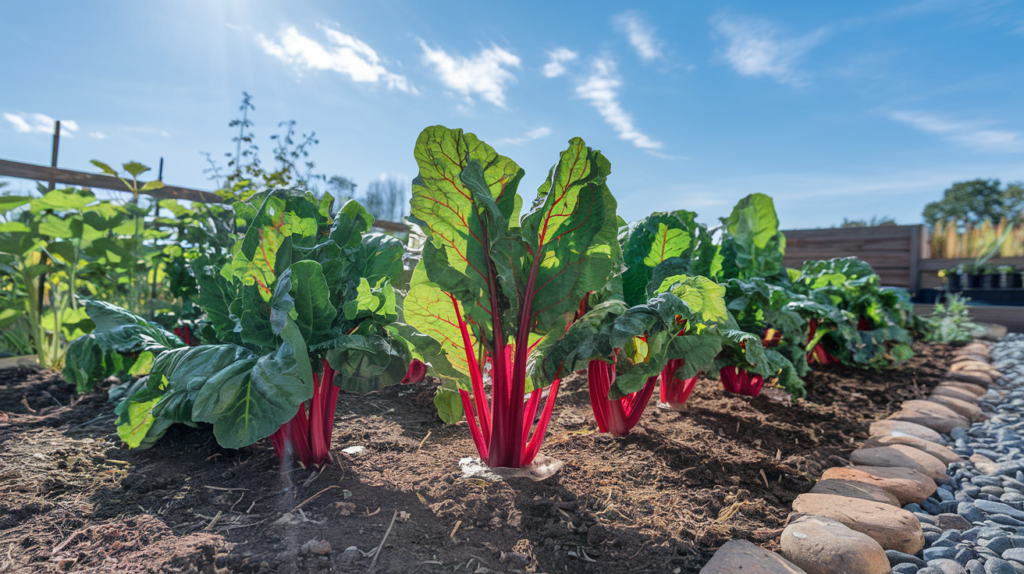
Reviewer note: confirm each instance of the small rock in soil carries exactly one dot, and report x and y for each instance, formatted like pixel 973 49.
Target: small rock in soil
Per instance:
pixel 350 555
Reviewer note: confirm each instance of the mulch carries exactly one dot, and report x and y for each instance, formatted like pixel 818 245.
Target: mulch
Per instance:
pixel 662 499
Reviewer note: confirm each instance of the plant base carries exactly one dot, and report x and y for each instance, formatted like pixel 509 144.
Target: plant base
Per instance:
pixel 543 467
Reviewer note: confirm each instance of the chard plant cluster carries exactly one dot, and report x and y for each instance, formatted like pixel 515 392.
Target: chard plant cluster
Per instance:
pixel 507 299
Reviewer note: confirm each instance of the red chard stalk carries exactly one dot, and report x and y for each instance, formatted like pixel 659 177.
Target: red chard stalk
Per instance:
pixel 496 284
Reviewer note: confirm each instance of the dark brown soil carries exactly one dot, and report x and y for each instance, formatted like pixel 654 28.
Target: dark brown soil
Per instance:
pixel 660 500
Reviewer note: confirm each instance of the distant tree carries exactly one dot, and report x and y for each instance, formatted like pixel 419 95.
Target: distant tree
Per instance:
pixel 976 200
pixel 385 198
pixel 341 187
pixel 875 221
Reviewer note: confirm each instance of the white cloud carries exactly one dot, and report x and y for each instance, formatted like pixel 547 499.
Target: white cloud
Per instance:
pixel 757 47
pixel 556 61
pixel 98 135
pixel 484 74
pixel 968 134
pixel 39 123
pixel 344 54
pixel 640 35
pixel 601 90
pixel 534 134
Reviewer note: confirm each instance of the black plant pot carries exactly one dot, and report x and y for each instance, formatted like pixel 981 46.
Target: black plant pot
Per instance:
pixel 973 281
pixel 1006 279
pixel 989 281
pixel 953 283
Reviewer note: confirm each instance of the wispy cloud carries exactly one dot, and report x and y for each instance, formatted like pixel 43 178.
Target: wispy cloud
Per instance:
pixel 145 130
pixel 534 134
pixel 484 74
pixel 39 123
pixel 98 135
pixel 601 89
pixel 757 47
pixel 342 53
pixel 968 134
pixel 556 61
pixel 640 35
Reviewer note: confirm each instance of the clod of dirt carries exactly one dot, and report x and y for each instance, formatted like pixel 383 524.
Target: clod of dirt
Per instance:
pixel 315 548
pixel 345 508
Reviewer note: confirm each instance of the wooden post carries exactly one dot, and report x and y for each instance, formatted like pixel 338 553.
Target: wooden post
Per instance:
pixel 915 259
pixel 53 156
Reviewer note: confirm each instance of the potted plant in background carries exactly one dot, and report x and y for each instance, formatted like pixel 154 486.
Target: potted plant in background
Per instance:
pixel 970 275
pixel 1006 276
pixel 990 277
pixel 952 277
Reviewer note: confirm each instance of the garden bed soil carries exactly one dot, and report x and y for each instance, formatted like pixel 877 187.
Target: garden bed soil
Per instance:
pixel 663 499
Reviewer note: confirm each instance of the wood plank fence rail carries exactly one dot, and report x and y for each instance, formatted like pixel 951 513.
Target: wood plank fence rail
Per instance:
pixel 82 179
pixel 101 181
pixel 894 251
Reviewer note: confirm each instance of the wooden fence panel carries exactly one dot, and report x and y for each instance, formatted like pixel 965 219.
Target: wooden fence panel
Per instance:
pixel 894 251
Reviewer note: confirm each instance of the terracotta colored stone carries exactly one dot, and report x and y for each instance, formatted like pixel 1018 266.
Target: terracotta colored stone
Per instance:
pixel 959 358
pixel 855 489
pixel 903 428
pixel 984 464
pixel 905 484
pixel 975 349
pixel 975 378
pixel 955 393
pixel 893 528
pixel 976 390
pixel 931 415
pixel 901 455
pixel 822 545
pixel 972 367
pixel 742 557
pixel 969 410
pixel 943 453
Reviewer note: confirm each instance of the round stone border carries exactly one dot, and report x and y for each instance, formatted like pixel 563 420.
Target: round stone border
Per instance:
pixel 938 488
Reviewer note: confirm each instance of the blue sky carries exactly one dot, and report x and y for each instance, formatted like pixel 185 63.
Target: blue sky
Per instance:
pixel 835 109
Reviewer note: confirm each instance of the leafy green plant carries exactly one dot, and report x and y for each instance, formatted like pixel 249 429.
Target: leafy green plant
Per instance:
pixel 752 245
pixel 625 349
pixel 120 343
pixel 492 285
pixel 951 322
pixel 50 250
pixel 654 318
pixel 132 271
pixel 303 308
pixel 882 316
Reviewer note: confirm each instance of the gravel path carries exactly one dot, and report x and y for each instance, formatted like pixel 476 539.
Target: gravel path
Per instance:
pixel 987 490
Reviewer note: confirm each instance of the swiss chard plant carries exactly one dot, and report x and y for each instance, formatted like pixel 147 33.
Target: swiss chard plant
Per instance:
pixel 783 323
pixel 494 286
pixel 626 349
pixel 673 245
pixel 121 342
pixel 657 316
pixel 302 309
pixel 881 316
